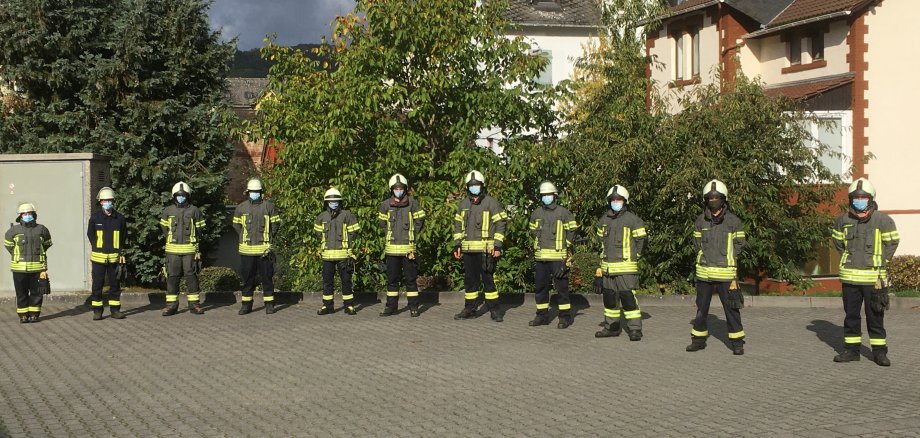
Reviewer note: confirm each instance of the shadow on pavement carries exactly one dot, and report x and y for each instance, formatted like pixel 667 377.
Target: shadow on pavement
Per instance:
pixel 79 309
pixel 717 329
pixel 832 335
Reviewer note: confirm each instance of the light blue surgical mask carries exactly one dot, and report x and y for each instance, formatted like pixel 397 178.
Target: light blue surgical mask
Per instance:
pixel 107 205
pixel 616 205
pixel 254 196
pixel 181 199
pixel 334 205
pixel 860 204
pixel 548 199
pixel 26 218
pixel 475 190
pixel 399 193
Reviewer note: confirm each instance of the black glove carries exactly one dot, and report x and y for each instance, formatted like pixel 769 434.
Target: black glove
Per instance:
pixel 735 299
pixel 880 301
pixel 121 272
pixel 381 266
pixel 562 272
pixel 598 285
pixel 348 265
pixel 488 263
pixel 44 286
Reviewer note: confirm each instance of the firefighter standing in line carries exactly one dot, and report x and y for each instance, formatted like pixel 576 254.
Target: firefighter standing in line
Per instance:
pixel 553 229
pixel 718 237
pixel 479 229
pixel 402 219
pixel 107 231
pixel 867 240
pixel 337 227
pixel 28 243
pixel 182 223
pixel 623 236
pixel 256 220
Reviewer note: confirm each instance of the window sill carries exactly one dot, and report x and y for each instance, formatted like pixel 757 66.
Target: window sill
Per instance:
pixel 802 67
pixel 684 82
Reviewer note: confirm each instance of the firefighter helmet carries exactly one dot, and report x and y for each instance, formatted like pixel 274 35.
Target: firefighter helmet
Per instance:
pixel 332 194
pixel 715 186
pixel 547 188
pixel 618 191
pixel 181 187
pixel 26 207
pixel 861 187
pixel 105 193
pixel 398 179
pixel 254 185
pixel 474 177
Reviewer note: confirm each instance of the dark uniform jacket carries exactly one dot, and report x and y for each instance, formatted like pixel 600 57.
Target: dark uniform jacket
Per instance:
pixel 718 241
pixel 256 222
pixel 865 247
pixel 107 235
pixel 479 226
pixel 337 232
pixel 28 244
pixel 553 228
pixel 623 237
pixel 181 225
pixel 402 221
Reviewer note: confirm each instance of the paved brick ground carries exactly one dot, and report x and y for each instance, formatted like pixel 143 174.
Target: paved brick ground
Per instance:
pixel 299 374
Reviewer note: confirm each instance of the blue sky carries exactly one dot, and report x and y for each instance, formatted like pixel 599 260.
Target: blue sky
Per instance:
pixel 295 21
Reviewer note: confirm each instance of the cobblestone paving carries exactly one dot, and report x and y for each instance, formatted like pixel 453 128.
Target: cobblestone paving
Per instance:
pixel 298 374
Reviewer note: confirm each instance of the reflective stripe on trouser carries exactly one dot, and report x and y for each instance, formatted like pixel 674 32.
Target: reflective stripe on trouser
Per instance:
pixel 544 277
pixel 28 299
pixel 330 267
pixel 704 292
pixel 257 266
pixel 178 265
pixel 104 273
pixel 626 300
pixel 854 295
pixel 401 266
pixel 475 278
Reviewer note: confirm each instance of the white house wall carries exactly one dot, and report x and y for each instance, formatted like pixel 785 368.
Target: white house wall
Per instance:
pixel 766 57
pixel 565 45
pixel 664 53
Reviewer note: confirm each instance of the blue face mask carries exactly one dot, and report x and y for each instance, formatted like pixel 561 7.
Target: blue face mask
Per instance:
pixel 334 205
pixel 548 199
pixel 399 193
pixel 616 205
pixel 860 204
pixel 107 205
pixel 475 190
pixel 26 218
pixel 254 196
pixel 181 199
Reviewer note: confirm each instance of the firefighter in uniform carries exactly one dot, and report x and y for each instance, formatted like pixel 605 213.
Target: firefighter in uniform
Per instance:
pixel 181 223
pixel 337 227
pixel 623 237
pixel 107 231
pixel 256 220
pixel 718 237
pixel 479 229
pixel 867 240
pixel 402 219
pixel 28 243
pixel 553 229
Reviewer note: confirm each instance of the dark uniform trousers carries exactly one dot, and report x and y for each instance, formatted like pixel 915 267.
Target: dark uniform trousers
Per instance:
pixel 252 266
pixel 614 300
pixel 853 297
pixel 704 292
pixel 397 265
pixel 474 278
pixel 104 273
pixel 544 277
pixel 28 299
pixel 177 265
pixel 330 267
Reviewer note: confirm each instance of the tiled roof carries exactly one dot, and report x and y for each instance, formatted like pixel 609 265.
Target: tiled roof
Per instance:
pixel 690 4
pixel 243 92
pixel 578 13
pixel 808 88
pixel 805 9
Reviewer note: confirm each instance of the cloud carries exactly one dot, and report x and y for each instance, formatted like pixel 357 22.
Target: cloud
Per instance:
pixel 294 21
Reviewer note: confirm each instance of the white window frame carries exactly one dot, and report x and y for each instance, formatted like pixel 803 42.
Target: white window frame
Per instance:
pixel 680 57
pixel 846 140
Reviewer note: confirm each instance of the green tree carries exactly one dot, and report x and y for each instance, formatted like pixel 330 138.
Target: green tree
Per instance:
pixel 413 86
pixel 139 81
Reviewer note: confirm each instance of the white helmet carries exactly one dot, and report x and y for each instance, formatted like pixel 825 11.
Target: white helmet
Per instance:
pixel 715 186
pixel 548 188
pixel 332 194
pixel 25 207
pixel 472 177
pixel 861 187
pixel 254 185
pixel 105 193
pixel 618 191
pixel 181 187
pixel 398 179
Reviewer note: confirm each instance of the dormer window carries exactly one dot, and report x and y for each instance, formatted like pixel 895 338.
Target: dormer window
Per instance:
pixel 805 49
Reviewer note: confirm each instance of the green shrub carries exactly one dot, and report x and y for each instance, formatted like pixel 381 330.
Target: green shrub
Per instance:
pixel 215 279
pixel 904 272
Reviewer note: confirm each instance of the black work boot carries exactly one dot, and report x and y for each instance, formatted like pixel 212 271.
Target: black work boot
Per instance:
pixel 245 308
pixel 414 312
pixel 269 307
pixel 496 314
pixel 97 313
pixel 387 311
pixel 466 313
pixel 116 313
pixel 350 310
pixel 847 356
pixel 196 309
pixel 171 309
pixel 635 335
pixel 542 318
pixel 696 345
pixel 738 349
pixel 23 318
pixel 881 358
pixel 564 321
pixel 33 317
pixel 325 310
pixel 608 330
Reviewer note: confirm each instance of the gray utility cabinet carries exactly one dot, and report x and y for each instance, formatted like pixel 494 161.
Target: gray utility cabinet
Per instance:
pixel 63 189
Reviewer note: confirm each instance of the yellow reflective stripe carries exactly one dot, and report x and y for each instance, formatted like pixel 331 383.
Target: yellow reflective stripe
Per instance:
pixel 612 313
pixel 627 245
pixel 476 245
pixel 171 298
pixel 486 223
pixel 638 232
pixel 328 297
pixel 117 242
pixel 736 335
pixel 697 234
pixel 22 310
pixel 245 236
pixel 715 272
pixel 852 339
pixel 565 306
pixel 877 341
pixel 238 220
pixel 395 249
pixel 730 250
pixel 549 254
pixel 114 302
pixel 600 230
pixel 246 299
pixel 411 293
pixel 458 236
pixel 386 218
pixel 169 233
pixel 571 225
pixel 28 266
pixel 740 234
pixel 383 216
pixel 499 237
pixel 344 235
pixel 318 228
pixel 619 267
pixel 257 249
pixel 98 238
pixel 419 214
pixel 275 219
pixel 193 297
pixel 862 276
pixel 470 295
pixel 101 257
pixel 268 299
pixel 266 235
pixel 533 225
pixel 348 297
pixel 8 243
pixel 336 254
pixel 837 235
pixel 542 306
pixel 699 333
pixel 500 216
pixel 35 308
pixel 877 249
pixel 412 218
pixel 96 303
pixel 353 227
pixel 392 293
pixel 492 295
pixel 891 236
pixel 180 248
pixel 458 217
pixel 560 235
